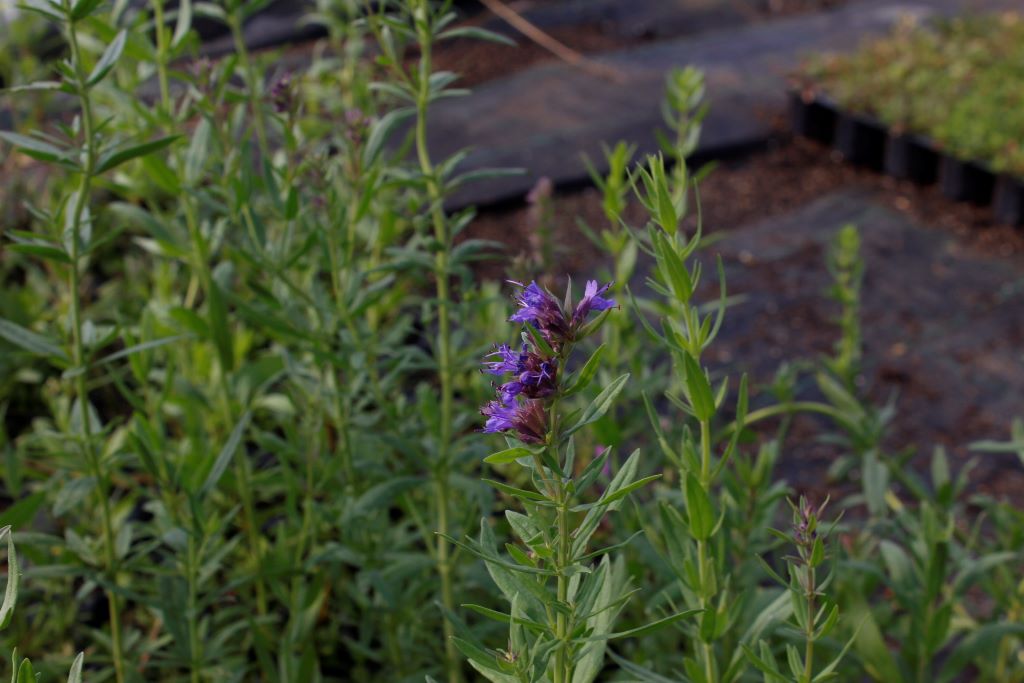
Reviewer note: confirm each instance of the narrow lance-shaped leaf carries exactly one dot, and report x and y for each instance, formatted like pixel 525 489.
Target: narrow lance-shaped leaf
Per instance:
pixel 508 455
pixel 30 341
pixel 75 675
pixel 699 510
pixel 114 158
pixel 83 8
pixel 586 374
pixel 34 147
pixel 699 389
pixel 108 60
pixel 184 23
pixel 600 405
pixel 226 453
pixel 11 592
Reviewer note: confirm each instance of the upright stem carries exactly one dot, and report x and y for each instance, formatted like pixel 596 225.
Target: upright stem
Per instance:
pixel 444 342
pixel 563 662
pixel 194 643
pixel 161 51
pixel 80 359
pixel 563 665
pixel 809 628
pixel 705 603
pixel 253 81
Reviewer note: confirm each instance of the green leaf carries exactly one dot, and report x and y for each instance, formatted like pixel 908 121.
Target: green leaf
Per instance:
pixel 44 251
pixel 114 158
pixel 649 628
pixel 75 675
pixel 20 514
pixel 382 129
pixel 226 453
pixel 13 574
pixel 184 24
pixel 34 147
pixel 626 490
pixel 508 455
pixel 698 389
pixel 586 374
pixel 600 405
pixel 83 8
pixel 475 33
pixel 30 341
pixel 26 674
pixel 198 150
pixel 699 509
pixel 504 618
pixel 672 267
pixel 219 328
pixel 45 8
pixel 539 341
pixel 34 87
pixel 513 491
pixel 109 58
pixel 132 350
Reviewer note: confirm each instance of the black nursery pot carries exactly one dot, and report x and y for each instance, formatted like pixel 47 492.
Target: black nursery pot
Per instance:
pixel 1008 202
pixel 967 181
pixel 861 140
pixel 912 158
pixel 813 117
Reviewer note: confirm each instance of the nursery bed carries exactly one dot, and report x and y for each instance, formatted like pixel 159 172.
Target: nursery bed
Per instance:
pixel 866 141
pixel 950 351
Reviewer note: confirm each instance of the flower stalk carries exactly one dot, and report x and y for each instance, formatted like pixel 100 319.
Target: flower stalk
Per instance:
pixel 79 356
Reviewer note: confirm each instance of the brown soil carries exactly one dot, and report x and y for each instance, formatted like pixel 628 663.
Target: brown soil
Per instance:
pixel 787 175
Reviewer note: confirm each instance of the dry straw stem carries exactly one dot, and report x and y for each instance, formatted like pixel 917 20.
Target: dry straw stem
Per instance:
pixel 555 47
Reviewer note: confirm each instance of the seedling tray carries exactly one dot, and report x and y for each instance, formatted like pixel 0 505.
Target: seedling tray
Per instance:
pixel 866 141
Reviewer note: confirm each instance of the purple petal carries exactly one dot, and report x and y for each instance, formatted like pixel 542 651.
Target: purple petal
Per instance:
pixel 500 417
pixel 592 301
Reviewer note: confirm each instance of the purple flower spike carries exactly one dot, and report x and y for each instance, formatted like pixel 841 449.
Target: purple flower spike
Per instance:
pixel 510 361
pixel 592 301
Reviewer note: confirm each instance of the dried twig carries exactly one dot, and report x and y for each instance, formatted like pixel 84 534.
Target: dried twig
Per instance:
pixel 555 47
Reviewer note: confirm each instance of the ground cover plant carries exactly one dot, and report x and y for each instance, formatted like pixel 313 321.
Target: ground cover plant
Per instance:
pixel 956 81
pixel 263 420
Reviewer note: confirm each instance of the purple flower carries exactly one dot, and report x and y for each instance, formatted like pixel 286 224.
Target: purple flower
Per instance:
pixel 500 417
pixel 510 361
pixel 527 419
pixel 281 94
pixel 534 375
pixel 540 309
pixel 592 301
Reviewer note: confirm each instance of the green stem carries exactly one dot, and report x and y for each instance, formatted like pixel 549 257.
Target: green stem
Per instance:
pixel 809 647
pixel 195 644
pixel 253 82
pixel 705 599
pixel 80 360
pixel 161 52
pixel 563 666
pixel 563 627
pixel 444 341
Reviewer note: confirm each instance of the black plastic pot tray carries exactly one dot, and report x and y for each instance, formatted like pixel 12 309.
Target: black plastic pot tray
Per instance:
pixel 866 141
